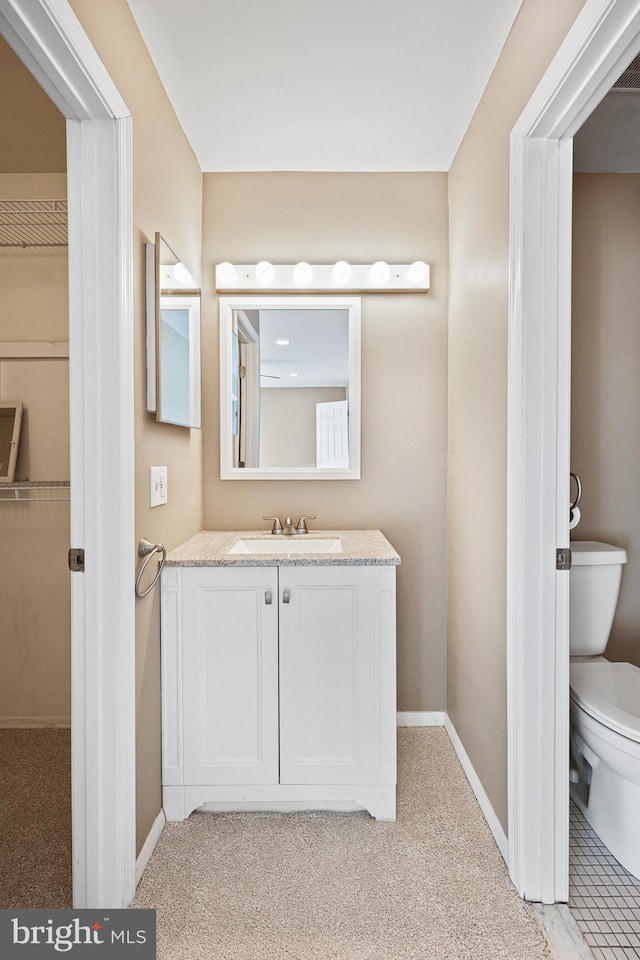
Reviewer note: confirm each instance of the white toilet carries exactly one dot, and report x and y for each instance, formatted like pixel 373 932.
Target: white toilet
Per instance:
pixel 605 706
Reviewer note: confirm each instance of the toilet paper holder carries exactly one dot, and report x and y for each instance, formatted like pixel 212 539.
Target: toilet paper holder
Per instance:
pixel 578 497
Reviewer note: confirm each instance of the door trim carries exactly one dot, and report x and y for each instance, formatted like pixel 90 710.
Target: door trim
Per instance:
pixel 49 39
pixel 602 41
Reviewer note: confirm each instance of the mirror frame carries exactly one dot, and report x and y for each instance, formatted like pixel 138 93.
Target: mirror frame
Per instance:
pixel 188 297
pixel 289 302
pixel 14 442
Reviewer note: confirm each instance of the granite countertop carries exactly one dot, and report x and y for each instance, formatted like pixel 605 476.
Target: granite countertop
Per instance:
pixel 210 549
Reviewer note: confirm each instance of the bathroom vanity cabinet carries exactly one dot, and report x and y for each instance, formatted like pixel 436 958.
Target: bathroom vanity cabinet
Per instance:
pixel 278 687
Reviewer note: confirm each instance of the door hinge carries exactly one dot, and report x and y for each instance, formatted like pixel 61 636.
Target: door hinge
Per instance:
pixel 76 560
pixel 242 372
pixel 563 558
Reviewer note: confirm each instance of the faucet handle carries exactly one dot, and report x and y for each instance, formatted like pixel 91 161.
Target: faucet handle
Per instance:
pixel 302 525
pixel 277 526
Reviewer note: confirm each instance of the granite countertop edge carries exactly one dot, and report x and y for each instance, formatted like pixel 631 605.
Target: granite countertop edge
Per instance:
pixel 209 548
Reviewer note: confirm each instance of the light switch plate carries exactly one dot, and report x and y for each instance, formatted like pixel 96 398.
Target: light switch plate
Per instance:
pixel 158 486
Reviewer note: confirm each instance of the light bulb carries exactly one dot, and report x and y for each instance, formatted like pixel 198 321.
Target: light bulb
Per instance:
pixel 302 273
pixel 294 374
pixel 418 271
pixel 380 271
pixel 283 343
pixel 341 271
pixel 226 273
pixel 264 271
pixel 181 274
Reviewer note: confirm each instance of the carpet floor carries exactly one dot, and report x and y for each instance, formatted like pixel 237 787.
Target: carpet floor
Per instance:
pixel 323 886
pixel 35 818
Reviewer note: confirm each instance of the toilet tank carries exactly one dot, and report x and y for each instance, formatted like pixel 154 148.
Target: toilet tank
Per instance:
pixel 596 572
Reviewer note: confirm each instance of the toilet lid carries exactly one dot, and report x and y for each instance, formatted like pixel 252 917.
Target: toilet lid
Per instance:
pixel 610 693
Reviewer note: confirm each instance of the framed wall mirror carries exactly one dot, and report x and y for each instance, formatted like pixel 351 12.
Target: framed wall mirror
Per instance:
pixel 10 423
pixel 173 338
pixel 290 388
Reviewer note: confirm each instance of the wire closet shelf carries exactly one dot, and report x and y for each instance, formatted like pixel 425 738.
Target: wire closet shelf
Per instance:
pixel 33 223
pixel 42 491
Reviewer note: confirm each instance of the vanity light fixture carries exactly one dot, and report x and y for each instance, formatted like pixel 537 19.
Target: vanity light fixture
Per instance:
pixel 339 277
pixel 418 271
pixel 226 272
pixel 181 274
pixel 264 272
pixel 341 272
pixel 303 273
pixel 380 272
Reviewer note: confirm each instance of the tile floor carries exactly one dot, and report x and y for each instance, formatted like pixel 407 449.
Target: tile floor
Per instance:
pixel 603 897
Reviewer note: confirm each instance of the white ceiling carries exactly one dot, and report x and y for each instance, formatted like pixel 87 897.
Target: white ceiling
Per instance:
pixel 325 85
pixel 318 351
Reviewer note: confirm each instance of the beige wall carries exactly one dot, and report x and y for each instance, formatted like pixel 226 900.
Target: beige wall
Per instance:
pixel 479 263
pixel 167 196
pixel 605 375
pixel 288 424
pixel 359 217
pixel 33 130
pixel 35 636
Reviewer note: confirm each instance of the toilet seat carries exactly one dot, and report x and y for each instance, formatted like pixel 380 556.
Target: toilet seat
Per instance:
pixel 610 693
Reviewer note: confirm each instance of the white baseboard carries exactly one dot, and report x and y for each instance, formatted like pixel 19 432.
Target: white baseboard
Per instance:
pixel 422 718
pixel 28 723
pixel 474 781
pixel 149 845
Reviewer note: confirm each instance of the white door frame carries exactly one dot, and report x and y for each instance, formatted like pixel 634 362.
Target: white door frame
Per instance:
pixel 48 38
pixel 602 41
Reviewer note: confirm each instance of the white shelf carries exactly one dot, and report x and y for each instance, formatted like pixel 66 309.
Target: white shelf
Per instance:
pixel 41 491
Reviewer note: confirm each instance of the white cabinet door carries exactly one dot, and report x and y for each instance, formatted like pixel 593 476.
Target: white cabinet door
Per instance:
pixel 230 675
pixel 327 674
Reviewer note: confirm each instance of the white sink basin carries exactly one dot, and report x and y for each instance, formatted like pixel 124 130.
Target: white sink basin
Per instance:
pixel 287 545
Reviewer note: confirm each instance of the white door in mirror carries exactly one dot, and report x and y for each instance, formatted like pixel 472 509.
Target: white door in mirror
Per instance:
pixel 158 486
pixel 332 434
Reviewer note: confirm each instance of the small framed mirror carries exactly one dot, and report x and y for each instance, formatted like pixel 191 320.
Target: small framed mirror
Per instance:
pixel 290 388
pixel 10 423
pixel 173 338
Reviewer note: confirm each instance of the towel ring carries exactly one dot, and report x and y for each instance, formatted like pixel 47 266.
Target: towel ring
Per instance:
pixel 148 550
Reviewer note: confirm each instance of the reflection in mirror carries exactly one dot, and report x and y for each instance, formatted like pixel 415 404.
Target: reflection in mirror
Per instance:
pixel 173 339
pixel 10 421
pixel 290 387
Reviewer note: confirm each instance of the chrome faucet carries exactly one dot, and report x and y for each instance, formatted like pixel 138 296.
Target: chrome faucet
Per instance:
pixel 288 528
